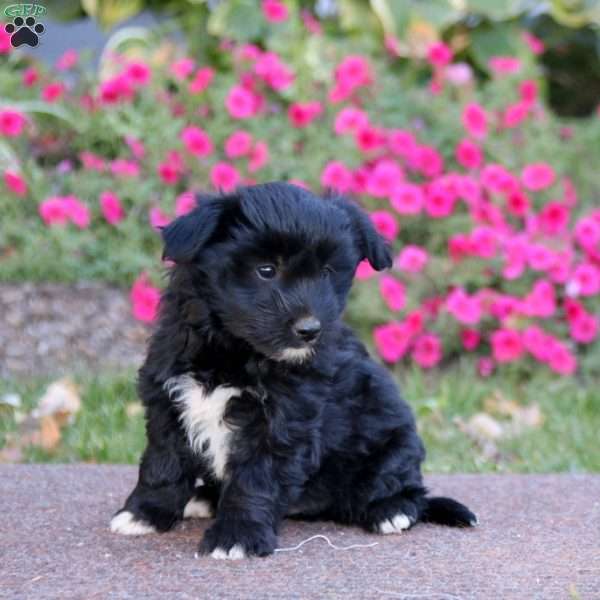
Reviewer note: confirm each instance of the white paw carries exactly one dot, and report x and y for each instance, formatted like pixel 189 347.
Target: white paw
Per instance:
pixel 125 524
pixel 394 525
pixel 235 553
pixel 197 509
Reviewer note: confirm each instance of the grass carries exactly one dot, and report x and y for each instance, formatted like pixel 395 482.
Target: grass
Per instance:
pixel 107 429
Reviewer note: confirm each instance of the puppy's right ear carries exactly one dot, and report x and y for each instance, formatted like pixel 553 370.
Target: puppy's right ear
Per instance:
pixel 185 237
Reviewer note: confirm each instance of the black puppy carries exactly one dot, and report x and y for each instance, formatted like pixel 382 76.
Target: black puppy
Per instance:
pixel 260 403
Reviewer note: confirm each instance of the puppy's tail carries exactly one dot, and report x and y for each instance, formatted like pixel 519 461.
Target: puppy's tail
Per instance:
pixel 445 511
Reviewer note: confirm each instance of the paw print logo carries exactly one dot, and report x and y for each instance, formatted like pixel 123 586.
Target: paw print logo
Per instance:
pixel 24 31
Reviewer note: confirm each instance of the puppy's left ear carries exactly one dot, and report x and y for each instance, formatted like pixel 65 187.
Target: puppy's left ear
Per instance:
pixel 370 244
pixel 185 237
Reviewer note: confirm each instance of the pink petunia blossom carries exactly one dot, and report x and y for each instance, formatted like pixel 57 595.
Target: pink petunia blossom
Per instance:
pixel 468 154
pixel 5 44
pixel 470 339
pixel 528 91
pixel 562 360
pixel 475 120
pixel 111 207
pixel 384 179
pixel 78 213
pixel 538 176
pixel 53 92
pixel 439 54
pixel 259 156
pixel 224 176
pixel 67 60
pixel 202 80
pixel 586 278
pixel 145 299
pixel 584 329
pixel 407 199
pixel 182 68
pixel 428 161
pixel 412 259
pixel 239 143
pixel 15 183
pixel 197 141
pixel 302 114
pixel 240 103
pixel 485 366
pixel 274 11
pixel 518 203
pixel 439 203
pixel 136 146
pixel 534 43
pixel 587 233
pixel 138 73
pixel 541 301
pixel 11 122
pixel 92 162
pixel 504 65
pixel 464 308
pixel 401 142
pixel 336 176
pixel 393 292
pixel 354 71
pixel 350 120
pixel 484 242
pixel 554 218
pixel 54 211
pixel 369 138
pixel 158 218
pixel 392 341
pixel 427 351
pixel 515 114
pixel 185 203
pixel 30 76
pixel 458 74
pixel 125 168
pixel 507 345
pixel 385 223
pixel 364 270
pixel 273 71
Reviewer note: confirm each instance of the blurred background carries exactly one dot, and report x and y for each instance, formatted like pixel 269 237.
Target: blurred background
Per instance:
pixel 470 131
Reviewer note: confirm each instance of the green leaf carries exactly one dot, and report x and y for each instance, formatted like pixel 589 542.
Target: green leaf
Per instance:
pixel 498 10
pixel 43 108
pixel 357 16
pixel 110 12
pixel 576 13
pixel 498 39
pixel 241 20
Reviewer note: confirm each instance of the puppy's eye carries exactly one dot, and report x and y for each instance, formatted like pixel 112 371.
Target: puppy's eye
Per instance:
pixel 326 271
pixel 266 271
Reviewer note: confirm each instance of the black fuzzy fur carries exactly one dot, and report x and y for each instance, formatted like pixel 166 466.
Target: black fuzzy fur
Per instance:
pixel 328 438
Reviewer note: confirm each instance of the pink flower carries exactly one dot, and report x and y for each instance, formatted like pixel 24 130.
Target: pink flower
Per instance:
pixel 385 223
pixel 239 143
pixel 484 242
pixel 541 301
pixel 535 44
pixel 384 179
pixel 116 89
pixel 586 278
pixel 30 76
pixel 407 199
pixel 584 329
pixel 392 341
pixel 369 138
pixel 158 218
pixel 364 270
pixel 138 73
pixel 111 208
pixel 136 146
pixel 301 114
pixel 350 120
pixel 259 156
pixel 54 211
pixel 145 299
pixel 427 351
pixel 354 71
pixel 485 366
pixel 202 79
pixel 274 11
pixel 11 122
pixel 515 114
pixel 468 154
pixel 507 345
pixel 464 308
pixel 273 71
pixel 336 176
pixel 496 179
pixel 53 92
pixel 504 65
pixel 470 339
pixel 393 292
pixel 197 141
pixel 224 176
pixel 15 183
pixel 458 74
pixel 528 91
pixel 428 161
pixel 124 168
pixel 181 69
pixel 402 142
pixel 78 213
pixel 439 54
pixel 587 233
pixel 562 360
pixel 184 203
pixel 92 162
pixel 171 169
pixel 475 120
pixel 67 60
pixel 412 259
pixel 5 44
pixel 439 203
pixel 518 204
pixel 240 103
pixel 554 218
pixel 538 176
pixel 459 246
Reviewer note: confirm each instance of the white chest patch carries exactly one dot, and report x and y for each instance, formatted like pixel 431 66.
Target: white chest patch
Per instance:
pixel 202 417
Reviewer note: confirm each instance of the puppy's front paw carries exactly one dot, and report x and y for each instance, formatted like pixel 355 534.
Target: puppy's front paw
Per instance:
pixel 236 539
pixel 126 523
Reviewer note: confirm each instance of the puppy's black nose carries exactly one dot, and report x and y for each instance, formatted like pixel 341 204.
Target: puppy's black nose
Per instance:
pixel 307 329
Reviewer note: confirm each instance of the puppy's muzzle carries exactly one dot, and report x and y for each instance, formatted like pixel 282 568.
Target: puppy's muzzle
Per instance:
pixel 307 329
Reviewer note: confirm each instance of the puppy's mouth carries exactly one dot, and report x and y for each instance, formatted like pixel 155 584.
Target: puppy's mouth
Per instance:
pixel 295 355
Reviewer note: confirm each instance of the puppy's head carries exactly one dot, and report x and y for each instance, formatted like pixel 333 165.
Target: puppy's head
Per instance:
pixel 275 263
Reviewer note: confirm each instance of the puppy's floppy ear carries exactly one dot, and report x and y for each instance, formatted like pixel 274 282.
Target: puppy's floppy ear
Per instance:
pixel 185 237
pixel 368 241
